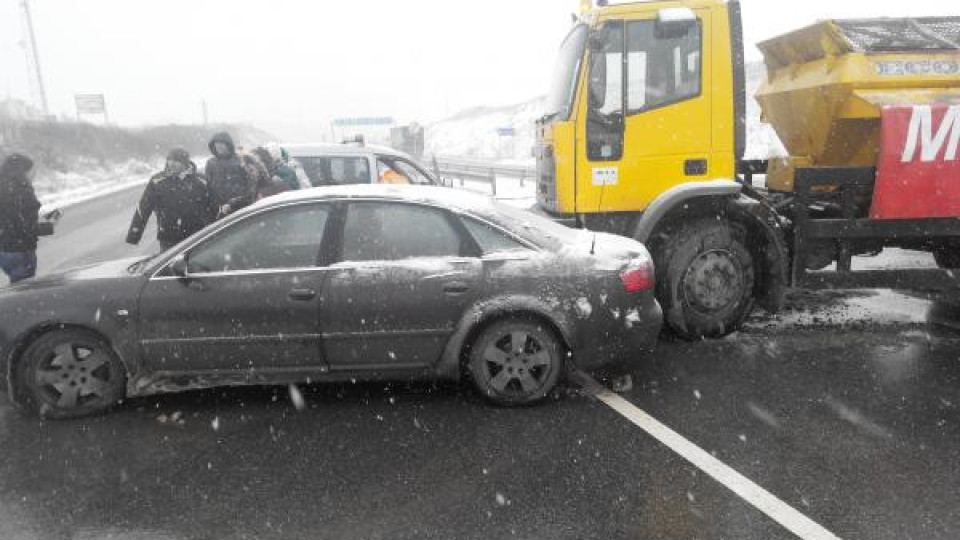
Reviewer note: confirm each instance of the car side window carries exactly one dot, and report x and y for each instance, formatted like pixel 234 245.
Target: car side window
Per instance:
pixel 392 231
pixel 490 239
pixel 278 239
pixel 399 171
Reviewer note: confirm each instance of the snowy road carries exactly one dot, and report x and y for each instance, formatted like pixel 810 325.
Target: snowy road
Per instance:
pixel 850 416
pixel 857 432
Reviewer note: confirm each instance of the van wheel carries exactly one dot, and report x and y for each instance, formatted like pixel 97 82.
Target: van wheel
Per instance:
pixel 69 374
pixel 516 362
pixel 708 279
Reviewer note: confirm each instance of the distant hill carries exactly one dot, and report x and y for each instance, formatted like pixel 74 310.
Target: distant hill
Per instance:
pixel 473 132
pixel 78 158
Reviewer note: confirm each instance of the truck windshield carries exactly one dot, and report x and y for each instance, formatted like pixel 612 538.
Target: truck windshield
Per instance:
pixel 564 81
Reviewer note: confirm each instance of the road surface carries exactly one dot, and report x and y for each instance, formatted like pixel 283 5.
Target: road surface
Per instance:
pixel 854 427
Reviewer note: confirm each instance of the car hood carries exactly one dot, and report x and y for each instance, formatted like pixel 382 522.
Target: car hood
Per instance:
pixel 103 270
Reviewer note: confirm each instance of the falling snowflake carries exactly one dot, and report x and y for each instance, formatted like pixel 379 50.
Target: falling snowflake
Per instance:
pixel 297 398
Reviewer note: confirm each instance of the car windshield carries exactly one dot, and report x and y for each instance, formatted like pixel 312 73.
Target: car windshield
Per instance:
pixel 565 73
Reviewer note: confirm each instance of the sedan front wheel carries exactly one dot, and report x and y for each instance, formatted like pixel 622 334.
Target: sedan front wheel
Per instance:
pixel 516 362
pixel 69 374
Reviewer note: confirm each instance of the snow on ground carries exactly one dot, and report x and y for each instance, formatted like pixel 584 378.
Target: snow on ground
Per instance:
pixel 509 190
pixel 856 309
pixel 473 133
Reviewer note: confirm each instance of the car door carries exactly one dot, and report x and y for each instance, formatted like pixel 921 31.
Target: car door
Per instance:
pixel 407 273
pixel 642 81
pixel 249 300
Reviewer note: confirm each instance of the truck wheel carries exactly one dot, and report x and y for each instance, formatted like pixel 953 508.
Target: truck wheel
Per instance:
pixel 706 279
pixel 947 256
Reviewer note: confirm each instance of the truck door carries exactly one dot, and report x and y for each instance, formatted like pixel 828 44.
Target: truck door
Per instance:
pixel 646 123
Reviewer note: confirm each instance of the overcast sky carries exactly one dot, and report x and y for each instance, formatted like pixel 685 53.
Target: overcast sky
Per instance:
pixel 280 63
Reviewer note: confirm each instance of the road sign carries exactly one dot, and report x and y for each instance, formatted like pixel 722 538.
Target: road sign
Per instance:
pixel 91 104
pixel 354 122
pixel 506 132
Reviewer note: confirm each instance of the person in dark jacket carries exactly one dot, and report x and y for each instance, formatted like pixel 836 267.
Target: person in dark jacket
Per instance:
pixel 19 218
pixel 276 185
pixel 234 178
pixel 181 199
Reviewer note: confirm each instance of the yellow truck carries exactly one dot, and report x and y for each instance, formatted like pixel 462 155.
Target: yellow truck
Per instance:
pixel 645 134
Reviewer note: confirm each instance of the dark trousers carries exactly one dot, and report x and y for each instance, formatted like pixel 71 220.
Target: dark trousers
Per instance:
pixel 18 266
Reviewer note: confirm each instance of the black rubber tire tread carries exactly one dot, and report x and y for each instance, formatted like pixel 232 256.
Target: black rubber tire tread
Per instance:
pixel 672 255
pixel 28 393
pixel 947 256
pixel 547 339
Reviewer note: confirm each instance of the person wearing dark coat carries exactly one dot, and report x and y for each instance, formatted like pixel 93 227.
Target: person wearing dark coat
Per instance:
pixel 181 199
pixel 234 178
pixel 19 218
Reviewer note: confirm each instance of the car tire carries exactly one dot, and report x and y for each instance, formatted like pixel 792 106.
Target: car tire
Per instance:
pixel 516 362
pixel 706 279
pixel 69 374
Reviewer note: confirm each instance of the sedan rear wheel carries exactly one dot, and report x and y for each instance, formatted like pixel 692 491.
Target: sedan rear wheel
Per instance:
pixel 69 374
pixel 516 362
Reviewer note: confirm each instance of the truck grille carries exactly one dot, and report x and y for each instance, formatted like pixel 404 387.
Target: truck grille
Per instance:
pixel 898 35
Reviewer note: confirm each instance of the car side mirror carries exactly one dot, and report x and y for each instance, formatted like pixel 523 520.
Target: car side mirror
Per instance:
pixel 179 266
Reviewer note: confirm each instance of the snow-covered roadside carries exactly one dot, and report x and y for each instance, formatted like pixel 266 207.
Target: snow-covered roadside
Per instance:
pixel 812 309
pixel 62 189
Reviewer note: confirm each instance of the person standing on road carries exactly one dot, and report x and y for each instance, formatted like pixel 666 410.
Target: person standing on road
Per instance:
pixel 284 170
pixel 181 199
pixel 234 178
pixel 277 184
pixel 19 219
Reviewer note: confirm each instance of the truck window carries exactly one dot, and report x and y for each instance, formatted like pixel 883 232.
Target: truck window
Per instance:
pixel 605 94
pixel 661 70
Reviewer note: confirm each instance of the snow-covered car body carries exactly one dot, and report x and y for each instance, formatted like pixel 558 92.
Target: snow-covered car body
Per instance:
pixel 295 289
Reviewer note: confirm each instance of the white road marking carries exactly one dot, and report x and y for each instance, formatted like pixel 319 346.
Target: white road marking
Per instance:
pixel 761 499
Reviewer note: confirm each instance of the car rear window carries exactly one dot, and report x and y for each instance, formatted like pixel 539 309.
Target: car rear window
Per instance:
pixel 540 230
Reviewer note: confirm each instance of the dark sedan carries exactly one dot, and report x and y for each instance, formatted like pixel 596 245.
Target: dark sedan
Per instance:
pixel 329 284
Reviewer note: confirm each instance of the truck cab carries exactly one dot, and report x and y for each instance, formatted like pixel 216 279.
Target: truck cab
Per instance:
pixel 645 96
pixel 644 129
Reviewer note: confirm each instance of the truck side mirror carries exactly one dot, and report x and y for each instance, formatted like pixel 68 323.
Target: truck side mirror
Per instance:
pixel 676 22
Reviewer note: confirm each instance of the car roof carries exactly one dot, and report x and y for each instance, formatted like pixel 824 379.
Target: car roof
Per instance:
pixel 329 149
pixel 455 199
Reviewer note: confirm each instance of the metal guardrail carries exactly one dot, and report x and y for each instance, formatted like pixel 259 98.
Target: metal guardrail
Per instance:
pixel 460 170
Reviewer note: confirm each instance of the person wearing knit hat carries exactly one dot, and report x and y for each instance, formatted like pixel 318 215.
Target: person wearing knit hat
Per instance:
pixel 19 218
pixel 181 199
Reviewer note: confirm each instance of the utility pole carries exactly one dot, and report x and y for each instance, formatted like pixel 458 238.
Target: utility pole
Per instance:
pixel 206 117
pixel 33 58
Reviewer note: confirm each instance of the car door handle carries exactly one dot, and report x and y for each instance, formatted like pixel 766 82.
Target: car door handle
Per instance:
pixel 455 288
pixel 302 295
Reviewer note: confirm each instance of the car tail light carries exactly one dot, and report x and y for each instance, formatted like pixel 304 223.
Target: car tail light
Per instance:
pixel 638 276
